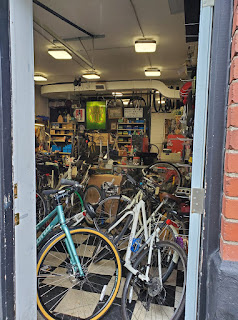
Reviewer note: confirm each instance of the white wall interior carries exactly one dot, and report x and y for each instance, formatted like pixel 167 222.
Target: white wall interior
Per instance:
pixel 158 128
pixel 22 65
pixel 41 103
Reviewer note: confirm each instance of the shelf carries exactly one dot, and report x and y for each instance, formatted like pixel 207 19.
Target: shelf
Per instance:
pixel 64 152
pixel 61 141
pixel 62 122
pixel 61 134
pixel 125 135
pixel 125 142
pixel 61 129
pixel 131 123
pixel 128 129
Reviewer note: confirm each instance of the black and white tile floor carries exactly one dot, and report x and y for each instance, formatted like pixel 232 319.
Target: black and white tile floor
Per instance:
pixel 73 295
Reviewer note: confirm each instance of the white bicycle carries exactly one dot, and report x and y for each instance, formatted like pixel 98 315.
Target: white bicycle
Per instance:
pixel 156 282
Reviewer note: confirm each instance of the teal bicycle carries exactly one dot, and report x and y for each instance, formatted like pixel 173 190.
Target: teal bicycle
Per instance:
pixel 70 283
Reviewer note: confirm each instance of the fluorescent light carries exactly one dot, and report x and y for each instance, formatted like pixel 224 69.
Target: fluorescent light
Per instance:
pixel 118 94
pixel 91 75
pixel 145 45
pixel 152 72
pixel 39 77
pixel 60 54
pixel 125 101
pixel 39 124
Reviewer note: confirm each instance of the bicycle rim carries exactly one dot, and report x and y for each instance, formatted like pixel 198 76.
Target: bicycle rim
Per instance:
pixel 40 207
pixel 108 210
pixel 166 175
pixel 153 301
pixel 61 293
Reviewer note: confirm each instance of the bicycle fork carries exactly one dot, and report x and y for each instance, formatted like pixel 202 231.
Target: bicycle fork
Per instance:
pixel 74 259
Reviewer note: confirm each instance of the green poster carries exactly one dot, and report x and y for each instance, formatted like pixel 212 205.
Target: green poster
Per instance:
pixel 96 115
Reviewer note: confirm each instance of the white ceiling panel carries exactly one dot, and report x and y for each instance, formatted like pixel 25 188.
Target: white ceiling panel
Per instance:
pixel 114 56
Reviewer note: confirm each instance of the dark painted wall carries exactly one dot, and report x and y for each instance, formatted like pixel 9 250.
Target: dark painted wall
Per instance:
pixel 6 212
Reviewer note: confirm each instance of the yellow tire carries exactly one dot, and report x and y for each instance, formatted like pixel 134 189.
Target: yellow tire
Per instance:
pixel 61 291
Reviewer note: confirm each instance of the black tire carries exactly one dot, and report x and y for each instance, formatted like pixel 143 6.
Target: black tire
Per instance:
pixel 41 208
pixel 160 303
pixel 62 293
pixel 108 210
pixel 92 195
pixel 74 205
pixel 158 172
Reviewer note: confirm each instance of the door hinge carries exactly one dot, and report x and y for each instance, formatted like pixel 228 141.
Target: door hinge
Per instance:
pixel 208 3
pixel 17 219
pixel 15 190
pixel 197 200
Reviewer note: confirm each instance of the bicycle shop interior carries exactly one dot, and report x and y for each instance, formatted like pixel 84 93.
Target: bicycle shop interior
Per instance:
pixel 114 115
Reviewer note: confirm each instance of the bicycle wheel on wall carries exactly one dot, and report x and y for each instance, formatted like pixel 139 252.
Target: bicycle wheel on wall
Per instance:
pixel 61 292
pixel 147 301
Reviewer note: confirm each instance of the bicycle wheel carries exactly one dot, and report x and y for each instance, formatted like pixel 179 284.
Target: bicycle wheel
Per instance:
pixel 108 209
pixel 165 175
pixel 74 205
pixel 40 207
pixel 93 196
pixel 61 292
pixel 152 300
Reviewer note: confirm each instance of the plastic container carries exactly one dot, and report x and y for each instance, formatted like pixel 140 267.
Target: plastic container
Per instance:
pixel 136 161
pixel 55 148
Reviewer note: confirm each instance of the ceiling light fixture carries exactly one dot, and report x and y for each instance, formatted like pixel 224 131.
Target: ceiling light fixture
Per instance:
pixel 39 125
pixel 60 54
pixel 152 72
pixel 91 75
pixel 145 45
pixel 125 101
pixel 39 77
pixel 117 94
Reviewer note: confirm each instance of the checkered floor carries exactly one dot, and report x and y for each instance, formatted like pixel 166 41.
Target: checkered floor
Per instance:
pixel 101 274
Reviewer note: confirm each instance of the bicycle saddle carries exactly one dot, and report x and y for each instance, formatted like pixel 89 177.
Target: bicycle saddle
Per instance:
pixel 166 195
pixel 50 191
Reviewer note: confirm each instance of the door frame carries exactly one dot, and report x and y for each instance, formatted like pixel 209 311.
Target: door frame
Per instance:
pixel 215 153
pixel 198 166
pixel 21 30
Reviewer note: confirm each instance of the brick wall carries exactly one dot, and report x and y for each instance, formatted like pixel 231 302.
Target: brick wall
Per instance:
pixel 229 221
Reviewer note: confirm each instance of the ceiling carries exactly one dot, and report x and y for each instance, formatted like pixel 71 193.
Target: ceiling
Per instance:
pixel 114 56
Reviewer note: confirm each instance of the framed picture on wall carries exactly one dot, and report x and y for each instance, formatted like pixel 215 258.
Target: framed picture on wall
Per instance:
pixel 79 115
pixel 133 113
pixel 113 125
pixel 114 113
pixel 96 115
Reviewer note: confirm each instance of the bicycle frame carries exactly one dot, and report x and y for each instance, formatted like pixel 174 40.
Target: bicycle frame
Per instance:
pixel 58 212
pixel 139 211
pixel 128 210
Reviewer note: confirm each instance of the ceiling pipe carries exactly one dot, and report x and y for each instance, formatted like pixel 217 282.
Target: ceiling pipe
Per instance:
pixel 111 86
pixel 38 3
pixel 66 45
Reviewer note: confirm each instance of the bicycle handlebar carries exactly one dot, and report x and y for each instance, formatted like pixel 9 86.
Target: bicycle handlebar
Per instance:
pixel 67 182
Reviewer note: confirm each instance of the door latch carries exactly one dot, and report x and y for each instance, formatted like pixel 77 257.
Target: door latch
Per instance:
pixel 17 219
pixel 15 190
